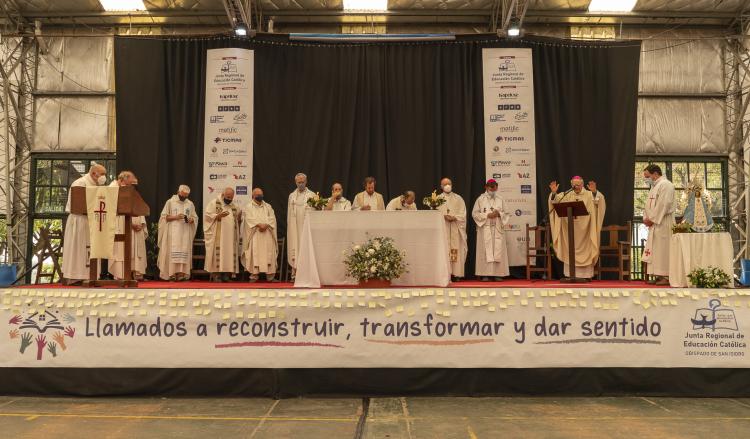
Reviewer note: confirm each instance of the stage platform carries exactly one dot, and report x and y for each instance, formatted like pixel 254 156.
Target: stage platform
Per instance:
pixel 510 283
pixel 102 340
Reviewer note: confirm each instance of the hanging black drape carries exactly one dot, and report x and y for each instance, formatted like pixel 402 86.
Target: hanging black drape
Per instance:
pixel 406 113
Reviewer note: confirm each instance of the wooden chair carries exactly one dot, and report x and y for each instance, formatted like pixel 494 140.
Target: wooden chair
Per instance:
pixel 616 248
pixel 48 245
pixel 199 256
pixel 541 249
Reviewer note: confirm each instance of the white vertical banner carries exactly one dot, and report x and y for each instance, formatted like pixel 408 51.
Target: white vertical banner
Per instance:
pixel 228 138
pixel 509 139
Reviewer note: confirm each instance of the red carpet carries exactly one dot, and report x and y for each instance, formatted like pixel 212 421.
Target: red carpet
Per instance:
pixel 510 283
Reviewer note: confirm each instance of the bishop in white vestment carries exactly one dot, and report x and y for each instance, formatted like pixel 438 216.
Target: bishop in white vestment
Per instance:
pixel 491 218
pixel 259 239
pixel 138 257
pixel 221 230
pixel 658 216
pixel 75 264
pixel 368 199
pixel 454 214
pixel 178 224
pixel 587 229
pixel 295 218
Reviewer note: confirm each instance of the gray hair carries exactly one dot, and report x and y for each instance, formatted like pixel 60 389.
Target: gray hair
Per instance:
pixel 299 174
pixel 184 188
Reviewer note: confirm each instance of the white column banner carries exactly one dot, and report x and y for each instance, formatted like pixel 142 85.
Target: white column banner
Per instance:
pixel 228 138
pixel 101 205
pixel 509 140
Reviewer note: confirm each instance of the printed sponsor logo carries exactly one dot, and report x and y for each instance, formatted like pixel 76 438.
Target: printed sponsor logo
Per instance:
pixel 239 176
pixel 228 130
pixel 217 164
pixel 234 151
pixel 229 66
pixel 507 95
pixel 240 119
pixel 211 189
pixel 525 188
pixel 240 190
pixel 225 108
pixel 217 119
pixel 521 116
pixel 512 149
pixel 228 96
pixel 501 175
pixel 217 176
pixel 500 163
pixel 521 212
pixel 508 129
pixel 501 139
pixel 497 118
pixel 238 164
pixel 516 200
pixel 524 175
pixel 509 107
pixel 523 163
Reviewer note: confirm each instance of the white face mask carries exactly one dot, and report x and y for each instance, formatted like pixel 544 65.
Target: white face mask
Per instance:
pixel 447 188
pixel 648 182
pixel 101 180
pixel 301 186
pixel 491 194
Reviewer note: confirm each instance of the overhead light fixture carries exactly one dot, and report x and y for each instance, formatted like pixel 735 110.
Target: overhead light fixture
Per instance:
pixel 612 5
pixel 122 5
pixel 240 31
pixel 365 5
pixel 514 27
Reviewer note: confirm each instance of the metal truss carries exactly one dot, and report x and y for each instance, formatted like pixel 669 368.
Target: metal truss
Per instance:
pixel 737 82
pixel 503 11
pixel 18 64
pixel 242 12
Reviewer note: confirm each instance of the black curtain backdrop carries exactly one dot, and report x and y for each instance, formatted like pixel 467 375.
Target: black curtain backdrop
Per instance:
pixel 406 113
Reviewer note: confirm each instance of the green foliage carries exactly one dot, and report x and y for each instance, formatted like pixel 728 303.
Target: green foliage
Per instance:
pixel 433 201
pixel 152 245
pixel 682 228
pixel 377 258
pixel 317 202
pixel 711 277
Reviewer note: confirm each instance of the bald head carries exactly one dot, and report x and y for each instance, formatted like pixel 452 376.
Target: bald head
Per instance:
pixel 96 171
pixel 126 178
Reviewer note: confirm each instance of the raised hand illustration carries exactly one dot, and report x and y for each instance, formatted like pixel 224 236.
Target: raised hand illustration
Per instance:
pixel 25 341
pixel 67 318
pixel 59 337
pixel 13 333
pixel 41 342
pixel 52 348
pixel 15 320
pixel 70 331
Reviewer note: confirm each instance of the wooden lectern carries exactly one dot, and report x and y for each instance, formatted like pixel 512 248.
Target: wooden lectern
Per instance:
pixel 571 209
pixel 129 204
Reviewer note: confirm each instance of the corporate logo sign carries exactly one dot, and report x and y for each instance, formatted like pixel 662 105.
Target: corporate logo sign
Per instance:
pixel 228 141
pixel 510 139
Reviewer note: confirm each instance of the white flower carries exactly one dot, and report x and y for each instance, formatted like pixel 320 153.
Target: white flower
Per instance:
pixel 371 251
pixel 373 269
pixel 356 247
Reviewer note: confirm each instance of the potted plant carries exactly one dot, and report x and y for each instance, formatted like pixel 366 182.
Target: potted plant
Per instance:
pixel 375 263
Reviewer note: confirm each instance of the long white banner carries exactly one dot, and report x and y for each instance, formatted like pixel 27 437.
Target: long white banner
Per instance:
pixel 509 139
pixel 457 328
pixel 228 138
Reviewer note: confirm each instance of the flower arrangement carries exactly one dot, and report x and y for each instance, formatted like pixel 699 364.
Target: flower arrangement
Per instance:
pixel 317 202
pixel 433 201
pixel 711 277
pixel 376 259
pixel 682 228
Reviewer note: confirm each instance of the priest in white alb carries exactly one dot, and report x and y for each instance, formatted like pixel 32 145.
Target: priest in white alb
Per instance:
pixel 404 201
pixel 454 214
pixel 178 224
pixel 75 264
pixel 221 230
pixel 138 256
pixel 337 202
pixel 295 218
pixel 658 216
pixel 587 229
pixel 368 199
pixel 491 218
pixel 259 239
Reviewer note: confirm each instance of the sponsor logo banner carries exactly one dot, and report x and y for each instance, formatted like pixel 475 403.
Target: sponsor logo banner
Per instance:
pixel 228 141
pixel 510 143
